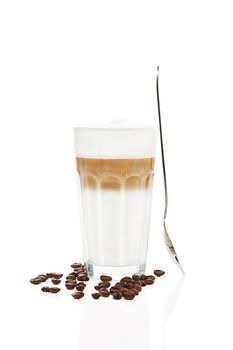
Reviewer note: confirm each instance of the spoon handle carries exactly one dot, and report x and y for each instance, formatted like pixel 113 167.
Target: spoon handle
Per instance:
pixel 167 239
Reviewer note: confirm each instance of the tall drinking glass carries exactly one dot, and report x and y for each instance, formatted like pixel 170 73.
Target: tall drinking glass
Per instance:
pixel 116 168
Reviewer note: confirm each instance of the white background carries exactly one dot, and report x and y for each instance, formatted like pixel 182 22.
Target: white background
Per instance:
pixel 64 63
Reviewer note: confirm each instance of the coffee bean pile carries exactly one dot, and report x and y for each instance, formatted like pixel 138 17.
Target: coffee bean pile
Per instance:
pixel 56 279
pixel 76 279
pixel 126 288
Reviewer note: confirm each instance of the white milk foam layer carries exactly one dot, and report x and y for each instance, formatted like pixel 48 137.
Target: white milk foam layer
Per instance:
pixel 115 143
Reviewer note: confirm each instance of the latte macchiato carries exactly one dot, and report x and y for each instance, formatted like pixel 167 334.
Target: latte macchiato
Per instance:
pixel 116 189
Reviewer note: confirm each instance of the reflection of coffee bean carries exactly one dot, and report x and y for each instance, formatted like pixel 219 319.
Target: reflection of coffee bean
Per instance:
pixel 159 273
pixel 54 290
pixel 117 295
pixel 54 281
pixel 78 295
pixel 104 284
pixel 80 286
pixel 104 292
pixel 83 277
pixel 128 295
pixel 126 279
pixel 76 265
pixel 45 289
pixel 95 295
pixel 105 278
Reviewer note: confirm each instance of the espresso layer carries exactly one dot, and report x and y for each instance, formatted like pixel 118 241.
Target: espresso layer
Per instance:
pixel 115 174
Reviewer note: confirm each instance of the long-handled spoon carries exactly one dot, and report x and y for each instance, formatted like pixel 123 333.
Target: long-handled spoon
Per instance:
pixel 167 239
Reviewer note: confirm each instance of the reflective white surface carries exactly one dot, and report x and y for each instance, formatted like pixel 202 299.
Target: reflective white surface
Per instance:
pixel 63 63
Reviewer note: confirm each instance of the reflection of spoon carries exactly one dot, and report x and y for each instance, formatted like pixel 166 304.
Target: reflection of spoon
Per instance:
pixel 167 239
pixel 172 299
pixel 170 304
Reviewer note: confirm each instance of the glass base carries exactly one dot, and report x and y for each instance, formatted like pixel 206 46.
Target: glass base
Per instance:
pixel 116 272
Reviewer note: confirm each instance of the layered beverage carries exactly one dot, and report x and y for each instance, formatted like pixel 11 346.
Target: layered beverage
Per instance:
pixel 116 172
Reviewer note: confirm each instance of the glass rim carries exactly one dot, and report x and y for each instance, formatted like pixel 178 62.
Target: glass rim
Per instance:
pixel 85 128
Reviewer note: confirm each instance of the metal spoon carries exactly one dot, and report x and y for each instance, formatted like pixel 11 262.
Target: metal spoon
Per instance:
pixel 167 239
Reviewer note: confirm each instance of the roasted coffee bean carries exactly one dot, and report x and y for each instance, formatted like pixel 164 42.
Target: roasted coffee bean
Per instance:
pixel 143 283
pixel 54 281
pixel 97 287
pixel 137 283
pixel 105 278
pixel 57 276
pixel 70 286
pixel 76 265
pixel 78 295
pixel 54 290
pixel 137 287
pixel 80 286
pixel 117 295
pixel 104 284
pixel 135 277
pixel 83 277
pixel 126 279
pixel 129 284
pixel 122 290
pixel 95 295
pixel 45 289
pixel 119 285
pixel 150 276
pixel 36 280
pixel 143 277
pixel 149 281
pixel 114 289
pixel 71 277
pixel 77 271
pixel 51 274
pixel 134 291
pixel 128 295
pixel 159 273
pixel 104 292
pixel 43 277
